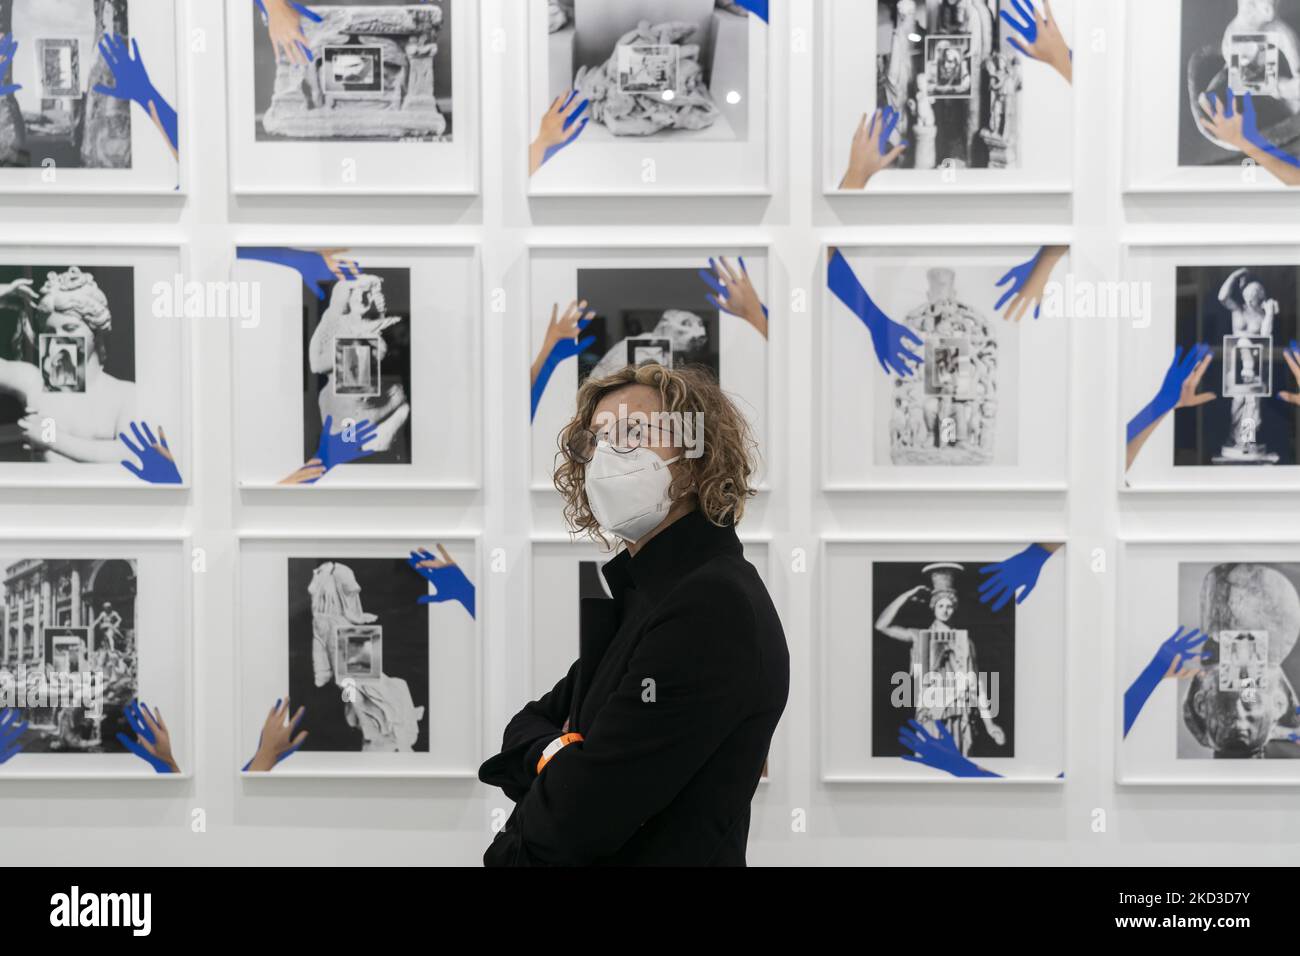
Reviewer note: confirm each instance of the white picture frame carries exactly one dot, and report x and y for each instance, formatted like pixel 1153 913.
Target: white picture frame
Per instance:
pixel 851 35
pixel 161 360
pixel 743 354
pixel 453 718
pixel 289 165
pixel 844 662
pixel 1160 579
pixel 160 30
pixel 444 352
pixel 163 627
pixel 1030 449
pixel 711 161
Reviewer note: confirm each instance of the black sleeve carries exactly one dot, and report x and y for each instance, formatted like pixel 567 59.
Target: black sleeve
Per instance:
pixel 526 736
pixel 688 685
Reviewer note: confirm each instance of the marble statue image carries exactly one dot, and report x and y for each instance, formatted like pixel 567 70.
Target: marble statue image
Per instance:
pixel 947 415
pixel 380 706
pixel 685 331
pixel 957 90
pixel 684 104
pixel 1242 704
pixel 73 313
pixel 358 311
pixel 1247 366
pixel 371 77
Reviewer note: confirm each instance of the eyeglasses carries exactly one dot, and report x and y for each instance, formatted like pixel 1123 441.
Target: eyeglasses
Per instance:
pixel 624 436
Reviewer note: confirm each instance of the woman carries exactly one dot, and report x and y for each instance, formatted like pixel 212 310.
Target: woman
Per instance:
pixel 650 749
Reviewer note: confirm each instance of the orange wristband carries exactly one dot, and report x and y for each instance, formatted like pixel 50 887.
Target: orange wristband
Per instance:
pixel 554 747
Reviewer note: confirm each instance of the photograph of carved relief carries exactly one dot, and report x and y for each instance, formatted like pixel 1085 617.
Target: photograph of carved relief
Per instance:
pixel 67 355
pixel 1242 703
pixel 379 71
pixel 1248 314
pixel 948 414
pixel 939 656
pixel 1248 45
pixel 357 352
pixel 65 624
pixel 359 653
pixel 647 315
pixel 942 65
pixel 663 69
pixel 56 116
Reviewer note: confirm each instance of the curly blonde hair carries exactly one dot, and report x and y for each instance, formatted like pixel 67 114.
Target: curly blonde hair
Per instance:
pixel 721 478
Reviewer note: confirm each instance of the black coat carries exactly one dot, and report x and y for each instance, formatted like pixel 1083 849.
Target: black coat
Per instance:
pixel 678 687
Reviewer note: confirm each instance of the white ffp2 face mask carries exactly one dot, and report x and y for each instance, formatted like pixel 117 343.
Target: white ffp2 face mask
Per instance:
pixel 628 493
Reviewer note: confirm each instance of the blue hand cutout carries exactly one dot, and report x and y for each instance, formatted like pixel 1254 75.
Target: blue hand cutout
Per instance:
pixel 1170 389
pixel 756 7
pixel 281 757
pixel 1250 129
pixel 345 446
pixel 1026 26
pixel 1018 276
pixel 1175 653
pixel 156 463
pixel 143 730
pixel 568 123
pixel 890 339
pixel 311 264
pixel 133 83
pixel 11 729
pixel 446 577
pixel 1018 573
pixel 888 117
pixel 8 48
pixel 719 299
pixel 940 752
pixel 561 352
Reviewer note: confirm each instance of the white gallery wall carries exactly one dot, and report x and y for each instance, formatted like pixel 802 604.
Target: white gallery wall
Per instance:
pixel 798 818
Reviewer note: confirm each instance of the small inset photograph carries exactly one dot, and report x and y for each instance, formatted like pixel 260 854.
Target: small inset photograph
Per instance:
pixel 360 651
pixel 647 67
pixel 357 366
pixel 1253 64
pixel 66 648
pixel 1243 656
pixel 60 67
pixel 349 70
pixel 949 368
pixel 63 362
pixel 949 66
pixel 650 350
pixel 1248 369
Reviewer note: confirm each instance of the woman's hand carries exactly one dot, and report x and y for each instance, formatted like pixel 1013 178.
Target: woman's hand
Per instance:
pixel 1040 37
pixel 1222 122
pixel 554 133
pixel 734 294
pixel 869 151
pixel 277 740
pixel 284 24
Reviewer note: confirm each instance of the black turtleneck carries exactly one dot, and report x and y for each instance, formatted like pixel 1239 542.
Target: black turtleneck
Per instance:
pixel 679 684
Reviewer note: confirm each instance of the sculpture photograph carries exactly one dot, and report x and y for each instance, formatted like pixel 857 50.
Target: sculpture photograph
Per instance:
pixel 55 116
pixel 357 352
pixel 1248 315
pixel 943 66
pixel 67 356
pixel 661 70
pixel 378 71
pixel 941 657
pixel 359 654
pixel 645 315
pixel 1242 702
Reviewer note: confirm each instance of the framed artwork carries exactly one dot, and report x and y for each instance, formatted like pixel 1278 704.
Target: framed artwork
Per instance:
pixel 89 624
pixel 1240 301
pixel 903 620
pixel 397 346
pixel 1203 48
pixel 386 104
pixel 677 93
pixel 989 405
pixel 563 573
pixel 650 304
pixel 1232 719
pixel 61 135
pixel 92 338
pixel 977 116
pixel 392 687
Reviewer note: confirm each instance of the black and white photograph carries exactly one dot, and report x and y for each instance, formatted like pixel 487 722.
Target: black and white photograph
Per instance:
pixel 956 84
pixel 1242 702
pixel 357 361
pixel 1246 46
pixel 664 69
pixel 379 71
pixel 642 315
pixel 1247 313
pixel 67 354
pixel 941 657
pixel 359 654
pixel 71 617
pixel 56 117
